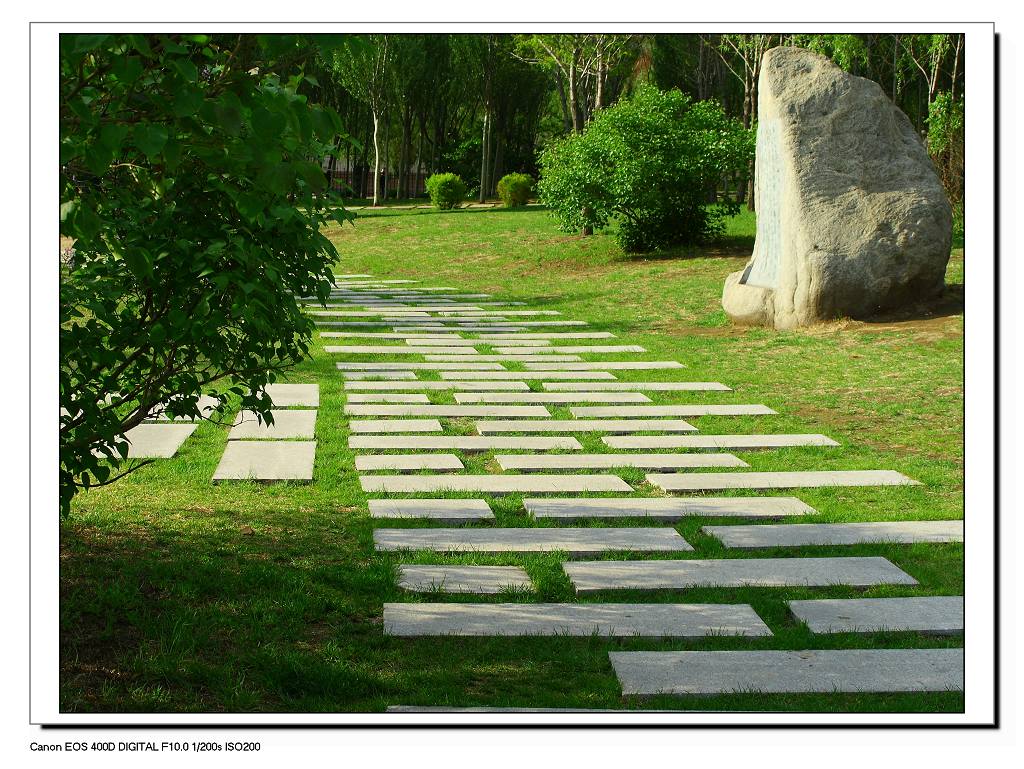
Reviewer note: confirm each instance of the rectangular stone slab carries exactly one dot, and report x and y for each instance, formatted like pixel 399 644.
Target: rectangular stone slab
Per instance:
pixel 394 349
pixel 373 462
pixel 778 480
pixel 160 441
pixel 690 410
pixel 581 397
pixel 485 313
pixel 650 386
pixel 466 443
pixel 384 314
pixel 378 375
pixel 267 461
pixel 492 484
pixel 532 344
pixel 590 576
pixel 446 385
pixel 521 375
pixel 940 614
pixel 387 366
pixel 550 336
pixel 777 672
pixel 454 579
pixel 597 349
pixel 432 338
pixel 283 394
pixel 799 535
pixel 619 365
pixel 539 462
pixel 615 620
pixel 394 426
pixel 717 441
pixel 509 357
pixel 386 398
pixel 575 542
pixel 668 509
pixel 585 426
pixel 447 510
pixel 288 423
pixel 446 411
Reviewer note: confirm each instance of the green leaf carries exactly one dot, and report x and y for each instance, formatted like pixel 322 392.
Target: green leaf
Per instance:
pixel 150 139
pixel 187 102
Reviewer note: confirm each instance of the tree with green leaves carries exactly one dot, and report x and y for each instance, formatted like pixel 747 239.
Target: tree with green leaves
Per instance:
pixel 187 187
pixel 645 164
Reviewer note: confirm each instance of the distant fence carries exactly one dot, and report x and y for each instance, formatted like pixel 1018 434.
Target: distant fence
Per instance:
pixel 358 183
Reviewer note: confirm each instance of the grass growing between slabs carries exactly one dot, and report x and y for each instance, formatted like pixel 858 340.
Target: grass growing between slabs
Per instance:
pixel 181 595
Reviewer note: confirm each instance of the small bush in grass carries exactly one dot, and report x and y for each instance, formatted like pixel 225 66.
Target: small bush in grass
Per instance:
pixel 514 189
pixel 446 190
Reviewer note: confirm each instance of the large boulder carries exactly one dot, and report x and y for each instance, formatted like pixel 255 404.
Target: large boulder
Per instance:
pixel 851 216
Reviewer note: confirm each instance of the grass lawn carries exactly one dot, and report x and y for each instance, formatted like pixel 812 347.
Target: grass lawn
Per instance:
pixel 178 595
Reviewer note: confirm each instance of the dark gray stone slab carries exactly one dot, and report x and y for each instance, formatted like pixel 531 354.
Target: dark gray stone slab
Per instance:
pixel 288 423
pixel 446 510
pixel 667 509
pixel 575 542
pixel 717 441
pixel 942 614
pixel 690 410
pixel 584 426
pixel 590 576
pixel 616 620
pixel 779 480
pixel 267 461
pixel 777 672
pixel 492 484
pixel 800 535
pixel 411 462
pixel 624 386
pixel 394 426
pixel 450 579
pixel 466 443
pixel 446 411
pixel 540 462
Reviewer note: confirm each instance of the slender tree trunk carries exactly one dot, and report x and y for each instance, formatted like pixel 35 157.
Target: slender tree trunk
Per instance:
pixel 566 116
pixel 376 159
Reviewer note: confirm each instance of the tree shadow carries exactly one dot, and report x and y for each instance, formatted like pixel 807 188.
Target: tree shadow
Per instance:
pixel 950 302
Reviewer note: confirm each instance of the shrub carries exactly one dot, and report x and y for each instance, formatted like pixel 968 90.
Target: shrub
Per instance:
pixel 514 189
pixel 646 163
pixel 446 190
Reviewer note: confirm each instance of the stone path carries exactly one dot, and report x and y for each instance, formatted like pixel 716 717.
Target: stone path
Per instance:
pixel 157 441
pixel 484 356
pixel 287 424
pixel 267 461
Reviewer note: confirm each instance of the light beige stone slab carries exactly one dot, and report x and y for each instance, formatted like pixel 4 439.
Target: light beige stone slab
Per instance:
pixel 287 394
pixel 524 375
pixel 584 426
pixel 509 386
pixel 541 462
pixel 395 349
pixel 267 461
pixel 801 535
pixel 433 410
pixel 389 366
pixel 689 410
pixel 508 357
pixel 778 480
pixel 575 542
pixel 355 376
pixel 375 462
pixel 667 509
pixel 587 349
pixel 649 386
pixel 467 443
pixel 550 336
pixel 394 426
pixel 387 398
pixel 531 397
pixel 288 423
pixel 483 580
pixel 446 510
pixel 717 441
pixel 492 484
pixel 157 441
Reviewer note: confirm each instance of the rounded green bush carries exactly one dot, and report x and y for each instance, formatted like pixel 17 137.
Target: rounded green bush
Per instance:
pixel 514 189
pixel 446 190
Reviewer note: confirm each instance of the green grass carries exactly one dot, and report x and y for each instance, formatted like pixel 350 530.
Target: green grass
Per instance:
pixel 179 595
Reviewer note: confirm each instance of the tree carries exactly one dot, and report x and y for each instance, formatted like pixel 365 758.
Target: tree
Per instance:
pixel 362 62
pixel 645 163
pixel 187 187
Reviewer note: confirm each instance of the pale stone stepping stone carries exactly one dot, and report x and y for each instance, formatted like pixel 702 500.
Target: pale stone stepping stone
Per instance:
pixel 581 397
pixel 386 314
pixel 799 535
pixel 486 313
pixel 492 484
pixel 373 462
pixel 652 386
pixel 510 357
pixel 387 398
pixel 550 336
pixel 462 443
pixel 452 579
pixel 522 375
pixel 717 441
pixel 395 349
pixel 778 480
pixel 291 423
pixel 586 349
pixel 575 542
pixel 585 426
pixel 615 620
pixel 446 510
pixel 394 426
pixel 381 375
pixel 205 403
pixel 449 327
pixel 941 614
pixel 157 441
pixel 307 395
pixel 539 462
pixel 267 461
pixel 691 410
pixel 445 385
pixel 590 576
pixel 619 365
pixel 445 709
pixel 388 366
pixel 434 410
pixel 667 509
pixel 778 672
pixel 439 338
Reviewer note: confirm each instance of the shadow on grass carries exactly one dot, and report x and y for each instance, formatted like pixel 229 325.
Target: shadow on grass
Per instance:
pixel 949 302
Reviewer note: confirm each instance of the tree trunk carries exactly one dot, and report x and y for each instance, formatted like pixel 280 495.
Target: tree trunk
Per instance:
pixel 566 117
pixel 376 159
pixel 483 157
